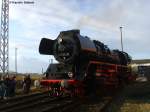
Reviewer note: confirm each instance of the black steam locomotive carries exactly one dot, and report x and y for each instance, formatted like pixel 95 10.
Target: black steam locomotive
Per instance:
pixel 91 63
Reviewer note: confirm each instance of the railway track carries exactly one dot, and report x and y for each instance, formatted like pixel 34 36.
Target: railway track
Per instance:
pixel 22 97
pixel 98 105
pixel 40 102
pixel 60 104
pixel 10 104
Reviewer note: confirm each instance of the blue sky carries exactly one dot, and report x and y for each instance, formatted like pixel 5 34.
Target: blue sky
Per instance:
pixel 98 19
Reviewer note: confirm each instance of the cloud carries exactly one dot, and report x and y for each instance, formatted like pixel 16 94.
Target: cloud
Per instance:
pixel 99 20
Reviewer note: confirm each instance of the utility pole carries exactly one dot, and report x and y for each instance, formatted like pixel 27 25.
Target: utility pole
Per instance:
pixel 121 38
pixel 51 61
pixel 16 60
pixel 42 70
pixel 4 38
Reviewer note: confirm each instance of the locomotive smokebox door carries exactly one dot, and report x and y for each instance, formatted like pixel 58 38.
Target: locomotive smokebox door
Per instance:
pixel 46 46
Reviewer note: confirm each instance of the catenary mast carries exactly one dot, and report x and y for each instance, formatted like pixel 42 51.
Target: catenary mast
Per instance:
pixel 4 38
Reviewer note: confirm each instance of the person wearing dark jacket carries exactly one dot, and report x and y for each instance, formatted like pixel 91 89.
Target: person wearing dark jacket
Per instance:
pixel 2 89
pixel 12 86
pixel 27 84
pixel 7 87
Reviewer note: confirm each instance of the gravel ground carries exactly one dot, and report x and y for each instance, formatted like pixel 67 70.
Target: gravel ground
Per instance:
pixel 134 98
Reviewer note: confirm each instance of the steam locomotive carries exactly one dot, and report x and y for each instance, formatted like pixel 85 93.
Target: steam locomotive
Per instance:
pixel 84 66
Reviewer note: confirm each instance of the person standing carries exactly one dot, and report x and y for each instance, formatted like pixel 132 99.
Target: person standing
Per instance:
pixel 24 84
pixel 36 83
pixel 7 87
pixel 2 89
pixel 27 84
pixel 12 86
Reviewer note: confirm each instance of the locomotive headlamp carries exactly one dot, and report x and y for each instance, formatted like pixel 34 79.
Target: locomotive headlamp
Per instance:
pixel 70 74
pixel 60 40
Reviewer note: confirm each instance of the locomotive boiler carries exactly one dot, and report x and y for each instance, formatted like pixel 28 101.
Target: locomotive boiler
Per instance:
pixel 91 63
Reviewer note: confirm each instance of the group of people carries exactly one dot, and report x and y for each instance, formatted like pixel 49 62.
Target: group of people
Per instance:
pixel 8 86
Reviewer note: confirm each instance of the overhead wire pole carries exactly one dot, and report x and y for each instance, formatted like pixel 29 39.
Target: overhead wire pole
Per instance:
pixel 52 61
pixel 4 37
pixel 16 60
pixel 121 38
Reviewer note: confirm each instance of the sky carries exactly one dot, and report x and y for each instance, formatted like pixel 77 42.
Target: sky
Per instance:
pixel 98 19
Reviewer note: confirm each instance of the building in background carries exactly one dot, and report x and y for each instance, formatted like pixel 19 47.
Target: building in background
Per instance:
pixel 142 67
